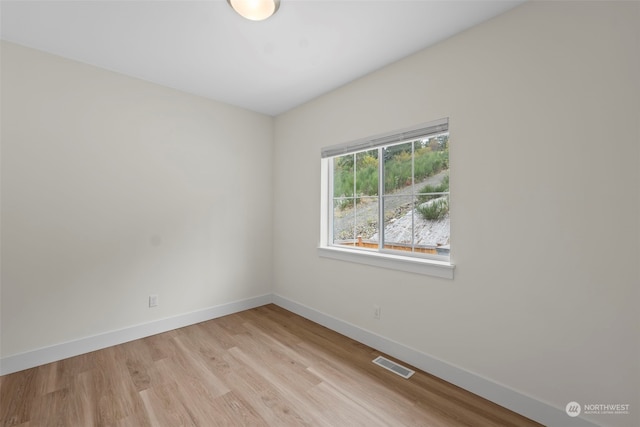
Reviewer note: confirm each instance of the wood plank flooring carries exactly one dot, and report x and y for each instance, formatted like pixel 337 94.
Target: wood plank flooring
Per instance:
pixel 261 367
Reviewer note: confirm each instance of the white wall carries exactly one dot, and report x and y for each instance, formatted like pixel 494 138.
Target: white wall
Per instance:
pixel 544 110
pixel 114 189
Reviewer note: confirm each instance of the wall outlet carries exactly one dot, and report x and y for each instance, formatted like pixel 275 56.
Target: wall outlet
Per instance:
pixel 376 312
pixel 153 301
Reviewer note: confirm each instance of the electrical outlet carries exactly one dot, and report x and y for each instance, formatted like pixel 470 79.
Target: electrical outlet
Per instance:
pixel 153 301
pixel 376 312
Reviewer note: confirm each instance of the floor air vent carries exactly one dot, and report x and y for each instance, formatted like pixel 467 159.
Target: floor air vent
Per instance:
pixel 393 367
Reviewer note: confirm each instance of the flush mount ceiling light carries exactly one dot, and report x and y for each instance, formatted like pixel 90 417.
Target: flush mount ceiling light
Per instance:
pixel 255 10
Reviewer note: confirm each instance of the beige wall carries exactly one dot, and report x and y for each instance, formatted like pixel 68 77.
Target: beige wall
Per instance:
pixel 544 110
pixel 114 189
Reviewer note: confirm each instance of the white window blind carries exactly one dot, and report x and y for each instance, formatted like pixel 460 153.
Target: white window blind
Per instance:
pixel 420 131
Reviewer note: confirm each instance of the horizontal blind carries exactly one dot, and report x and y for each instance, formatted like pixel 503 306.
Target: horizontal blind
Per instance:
pixel 420 131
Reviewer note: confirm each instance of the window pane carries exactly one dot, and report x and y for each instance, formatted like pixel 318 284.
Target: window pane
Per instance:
pixel 398 222
pixel 343 221
pixel 355 223
pixel 367 222
pixel 343 176
pixel 431 223
pixel 397 167
pixel 367 173
pixel 431 156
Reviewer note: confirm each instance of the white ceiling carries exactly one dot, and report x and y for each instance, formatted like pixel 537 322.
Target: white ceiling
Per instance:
pixel 307 48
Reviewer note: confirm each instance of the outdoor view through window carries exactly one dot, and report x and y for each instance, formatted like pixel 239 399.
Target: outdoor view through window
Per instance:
pixel 394 197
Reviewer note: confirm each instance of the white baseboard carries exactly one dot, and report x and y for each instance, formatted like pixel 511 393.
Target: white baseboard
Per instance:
pixel 490 390
pixel 64 350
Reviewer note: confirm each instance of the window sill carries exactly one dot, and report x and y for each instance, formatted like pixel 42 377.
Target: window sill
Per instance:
pixel 428 267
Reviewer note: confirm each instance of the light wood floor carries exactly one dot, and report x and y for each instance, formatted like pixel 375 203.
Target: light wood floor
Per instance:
pixel 261 367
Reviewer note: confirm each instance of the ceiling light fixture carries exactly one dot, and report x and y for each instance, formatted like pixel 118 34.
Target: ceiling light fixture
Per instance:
pixel 255 10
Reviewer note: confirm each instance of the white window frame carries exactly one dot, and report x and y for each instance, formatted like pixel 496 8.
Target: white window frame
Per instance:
pixel 437 266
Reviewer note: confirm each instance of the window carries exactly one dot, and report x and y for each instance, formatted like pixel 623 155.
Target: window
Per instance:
pixel 388 197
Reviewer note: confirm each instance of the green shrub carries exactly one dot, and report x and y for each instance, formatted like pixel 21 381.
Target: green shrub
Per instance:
pixel 434 210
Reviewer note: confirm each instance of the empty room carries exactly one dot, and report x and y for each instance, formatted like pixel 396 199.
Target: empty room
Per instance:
pixel 320 213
